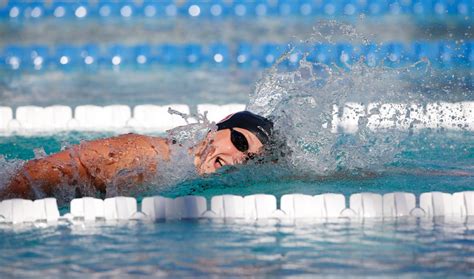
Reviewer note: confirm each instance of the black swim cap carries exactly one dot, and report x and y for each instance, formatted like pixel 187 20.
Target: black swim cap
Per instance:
pixel 256 124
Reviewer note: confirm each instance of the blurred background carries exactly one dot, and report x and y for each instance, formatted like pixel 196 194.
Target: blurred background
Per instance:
pixel 195 51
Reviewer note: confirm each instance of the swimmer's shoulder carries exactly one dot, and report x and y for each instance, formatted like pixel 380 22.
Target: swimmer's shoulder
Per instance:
pixel 139 137
pixel 131 143
pixel 158 144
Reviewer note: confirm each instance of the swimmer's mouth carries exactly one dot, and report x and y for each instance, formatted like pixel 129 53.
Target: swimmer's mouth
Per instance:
pixel 219 162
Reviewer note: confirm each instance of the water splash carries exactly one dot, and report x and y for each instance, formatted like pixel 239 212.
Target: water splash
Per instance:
pixel 183 143
pixel 299 98
pixel 300 102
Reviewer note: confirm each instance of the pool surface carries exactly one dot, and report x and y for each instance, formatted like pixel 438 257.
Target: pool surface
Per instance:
pixel 229 52
pixel 427 161
pixel 407 248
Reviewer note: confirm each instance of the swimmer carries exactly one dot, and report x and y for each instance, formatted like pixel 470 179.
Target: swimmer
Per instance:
pixel 98 163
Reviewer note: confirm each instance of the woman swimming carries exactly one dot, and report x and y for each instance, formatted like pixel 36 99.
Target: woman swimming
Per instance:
pixel 99 163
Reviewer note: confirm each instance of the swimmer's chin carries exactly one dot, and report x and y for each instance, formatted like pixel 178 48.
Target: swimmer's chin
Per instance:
pixel 222 170
pixel 207 167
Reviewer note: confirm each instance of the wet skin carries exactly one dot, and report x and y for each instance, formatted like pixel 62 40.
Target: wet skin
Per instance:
pixel 218 151
pixel 98 163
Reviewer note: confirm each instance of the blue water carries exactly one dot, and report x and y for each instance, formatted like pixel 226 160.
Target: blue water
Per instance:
pixel 206 248
pixel 429 161
pixel 426 161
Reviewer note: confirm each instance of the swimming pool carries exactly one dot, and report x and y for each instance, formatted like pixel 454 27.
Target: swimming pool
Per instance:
pixel 397 126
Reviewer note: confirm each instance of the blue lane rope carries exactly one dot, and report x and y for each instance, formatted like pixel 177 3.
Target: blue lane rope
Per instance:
pixel 20 9
pixel 443 54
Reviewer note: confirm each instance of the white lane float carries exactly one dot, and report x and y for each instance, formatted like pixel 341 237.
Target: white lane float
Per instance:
pixel 348 118
pixel 457 206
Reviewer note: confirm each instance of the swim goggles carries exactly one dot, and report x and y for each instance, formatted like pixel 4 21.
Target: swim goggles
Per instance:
pixel 239 140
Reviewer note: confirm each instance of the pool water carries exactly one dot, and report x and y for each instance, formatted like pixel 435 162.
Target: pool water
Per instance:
pixel 407 248
pixel 430 161
pixel 427 160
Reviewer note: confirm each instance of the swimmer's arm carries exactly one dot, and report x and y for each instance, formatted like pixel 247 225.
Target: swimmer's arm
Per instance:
pixel 41 176
pixel 95 163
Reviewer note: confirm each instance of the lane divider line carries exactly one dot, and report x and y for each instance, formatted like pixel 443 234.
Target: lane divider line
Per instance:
pixel 61 9
pixel 458 206
pixel 348 118
pixel 443 54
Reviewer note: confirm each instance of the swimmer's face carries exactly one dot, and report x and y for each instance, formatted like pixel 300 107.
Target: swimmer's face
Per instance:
pixel 220 150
